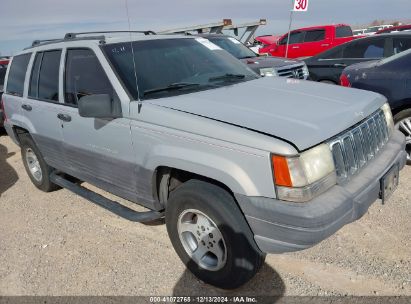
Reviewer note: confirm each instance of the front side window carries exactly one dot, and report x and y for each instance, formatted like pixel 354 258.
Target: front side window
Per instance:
pixel 295 37
pixel 84 76
pixel 315 35
pixel 335 53
pixel 369 49
pixel 17 74
pixel 166 67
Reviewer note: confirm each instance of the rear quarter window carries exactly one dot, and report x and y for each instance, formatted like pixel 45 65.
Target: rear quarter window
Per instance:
pixel 17 74
pixel 343 31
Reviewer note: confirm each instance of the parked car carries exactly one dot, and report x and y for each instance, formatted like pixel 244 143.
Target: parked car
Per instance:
pixel 262 42
pixel 399 28
pixel 310 41
pixel 328 66
pixel 359 32
pixel 372 30
pixel 3 69
pixel 390 77
pixel 240 165
pixel 262 65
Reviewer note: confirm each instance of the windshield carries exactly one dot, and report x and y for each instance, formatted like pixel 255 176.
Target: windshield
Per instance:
pixel 394 57
pixel 166 67
pixel 233 46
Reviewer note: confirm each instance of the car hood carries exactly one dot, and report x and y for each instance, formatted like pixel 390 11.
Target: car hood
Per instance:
pixel 303 113
pixel 256 63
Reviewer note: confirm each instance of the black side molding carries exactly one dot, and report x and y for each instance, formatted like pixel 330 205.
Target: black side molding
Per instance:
pixel 112 206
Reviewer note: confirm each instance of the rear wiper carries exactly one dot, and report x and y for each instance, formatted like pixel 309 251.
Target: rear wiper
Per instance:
pixel 227 76
pixel 171 87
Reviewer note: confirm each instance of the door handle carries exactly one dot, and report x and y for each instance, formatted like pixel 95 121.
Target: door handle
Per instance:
pixel 296 47
pixel 64 117
pixel 325 44
pixel 26 107
pixel 340 65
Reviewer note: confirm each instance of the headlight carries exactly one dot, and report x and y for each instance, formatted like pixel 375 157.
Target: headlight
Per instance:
pixel 301 178
pixel 388 116
pixel 306 72
pixel 269 72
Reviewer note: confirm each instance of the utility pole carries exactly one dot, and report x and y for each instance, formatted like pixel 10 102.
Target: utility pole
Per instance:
pixel 289 28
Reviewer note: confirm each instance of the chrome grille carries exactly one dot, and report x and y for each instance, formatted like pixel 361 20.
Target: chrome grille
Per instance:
pixel 292 72
pixel 353 149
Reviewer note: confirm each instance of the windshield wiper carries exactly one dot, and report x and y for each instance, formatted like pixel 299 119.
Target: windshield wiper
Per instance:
pixel 171 87
pixel 227 76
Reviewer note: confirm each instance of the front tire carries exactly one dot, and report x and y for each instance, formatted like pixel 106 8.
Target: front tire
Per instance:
pixel 402 122
pixel 211 236
pixel 36 167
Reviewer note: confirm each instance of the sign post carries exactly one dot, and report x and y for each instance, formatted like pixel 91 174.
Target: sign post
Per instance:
pixel 297 6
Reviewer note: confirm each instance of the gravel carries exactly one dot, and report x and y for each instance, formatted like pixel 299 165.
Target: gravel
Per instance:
pixel 60 244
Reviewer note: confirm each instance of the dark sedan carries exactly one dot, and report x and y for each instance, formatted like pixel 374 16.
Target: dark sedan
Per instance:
pixel 390 77
pixel 327 66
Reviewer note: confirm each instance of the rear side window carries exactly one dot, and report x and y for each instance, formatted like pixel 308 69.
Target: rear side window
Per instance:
pixel 401 44
pixel 17 74
pixel 34 80
pixel 316 35
pixel 365 49
pixel 343 31
pixel 49 76
pixel 84 76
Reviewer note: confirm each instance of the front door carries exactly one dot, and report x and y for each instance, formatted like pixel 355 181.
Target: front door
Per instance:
pixel 97 150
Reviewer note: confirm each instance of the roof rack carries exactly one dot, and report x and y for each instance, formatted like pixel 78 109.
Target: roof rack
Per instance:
pixel 75 36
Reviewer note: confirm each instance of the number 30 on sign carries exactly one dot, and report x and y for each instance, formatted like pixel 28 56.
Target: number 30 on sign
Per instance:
pixel 300 5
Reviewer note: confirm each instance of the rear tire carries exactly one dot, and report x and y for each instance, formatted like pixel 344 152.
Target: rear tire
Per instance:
pixel 36 167
pixel 402 121
pixel 211 236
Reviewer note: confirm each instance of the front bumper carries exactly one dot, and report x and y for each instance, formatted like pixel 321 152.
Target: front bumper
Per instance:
pixel 280 226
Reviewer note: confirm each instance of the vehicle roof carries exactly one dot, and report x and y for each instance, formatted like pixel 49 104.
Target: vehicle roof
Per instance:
pixel 393 28
pixel 319 26
pixel 97 40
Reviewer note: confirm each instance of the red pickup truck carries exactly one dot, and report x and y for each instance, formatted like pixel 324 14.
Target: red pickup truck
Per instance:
pixel 310 41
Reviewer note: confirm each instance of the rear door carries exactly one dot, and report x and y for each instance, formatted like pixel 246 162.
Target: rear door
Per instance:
pixel 315 42
pixel 42 105
pixel 97 150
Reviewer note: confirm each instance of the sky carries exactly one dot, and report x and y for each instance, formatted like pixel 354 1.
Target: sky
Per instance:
pixel 22 21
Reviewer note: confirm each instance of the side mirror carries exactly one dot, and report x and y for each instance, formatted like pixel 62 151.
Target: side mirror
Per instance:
pixel 97 106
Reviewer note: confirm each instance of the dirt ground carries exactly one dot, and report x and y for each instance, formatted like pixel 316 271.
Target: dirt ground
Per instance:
pixel 60 244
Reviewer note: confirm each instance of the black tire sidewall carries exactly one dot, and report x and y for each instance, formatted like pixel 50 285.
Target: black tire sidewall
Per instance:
pixel 45 184
pixel 243 256
pixel 400 116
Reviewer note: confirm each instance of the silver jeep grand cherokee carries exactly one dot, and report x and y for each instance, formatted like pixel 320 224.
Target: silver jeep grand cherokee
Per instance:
pixel 239 165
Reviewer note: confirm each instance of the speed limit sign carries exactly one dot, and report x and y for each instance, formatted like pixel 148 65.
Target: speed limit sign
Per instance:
pixel 300 5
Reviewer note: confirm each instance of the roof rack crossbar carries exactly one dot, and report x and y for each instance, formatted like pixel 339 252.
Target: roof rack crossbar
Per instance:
pixel 74 35
pixel 39 42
